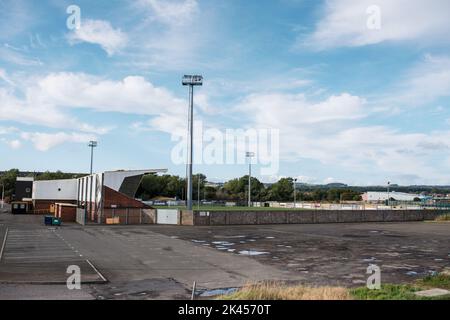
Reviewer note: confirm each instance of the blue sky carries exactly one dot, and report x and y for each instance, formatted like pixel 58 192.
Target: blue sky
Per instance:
pixel 349 102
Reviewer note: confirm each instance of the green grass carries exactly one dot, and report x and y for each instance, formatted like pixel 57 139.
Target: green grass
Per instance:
pixel 219 208
pixel 387 292
pixel 404 292
pixel 438 281
pixel 273 291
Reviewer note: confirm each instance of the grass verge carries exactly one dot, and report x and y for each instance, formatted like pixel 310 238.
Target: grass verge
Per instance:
pixel 443 217
pixel 274 291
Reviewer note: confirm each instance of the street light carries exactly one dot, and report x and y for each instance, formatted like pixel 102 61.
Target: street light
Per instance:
pixel 249 155
pixel 389 197
pixel 191 81
pixel 198 191
pixel 295 198
pixel 3 194
pixel 92 145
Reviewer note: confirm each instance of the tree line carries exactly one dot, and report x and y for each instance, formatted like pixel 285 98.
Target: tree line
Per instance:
pixel 173 186
pixel 153 186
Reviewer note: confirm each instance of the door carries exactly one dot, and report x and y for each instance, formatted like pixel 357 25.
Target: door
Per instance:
pixel 167 216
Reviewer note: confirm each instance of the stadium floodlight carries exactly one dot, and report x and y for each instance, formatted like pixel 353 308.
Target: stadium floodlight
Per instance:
pixel 250 155
pixel 195 80
pixel 191 81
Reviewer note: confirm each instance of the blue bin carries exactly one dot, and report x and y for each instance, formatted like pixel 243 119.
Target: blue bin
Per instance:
pixel 48 220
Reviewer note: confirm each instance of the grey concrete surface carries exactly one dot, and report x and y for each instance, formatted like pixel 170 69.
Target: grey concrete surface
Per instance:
pixel 161 262
pixel 334 254
pixel 138 263
pixel 43 292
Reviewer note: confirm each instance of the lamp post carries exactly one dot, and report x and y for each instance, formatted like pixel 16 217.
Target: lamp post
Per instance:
pixel 389 197
pixel 250 155
pixel 198 191
pixel 92 145
pixel 295 196
pixel 191 81
pixel 3 194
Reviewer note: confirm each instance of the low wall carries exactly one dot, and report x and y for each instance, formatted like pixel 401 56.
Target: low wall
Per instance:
pixel 129 215
pixel 213 218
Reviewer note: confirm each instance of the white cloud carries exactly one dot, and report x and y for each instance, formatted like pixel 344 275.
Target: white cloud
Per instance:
pixel 43 113
pixel 173 13
pixel 278 110
pixel 427 81
pixel 47 101
pixel 46 141
pixel 331 132
pixel 99 32
pixel 344 23
pixel 15 144
pixel 133 94
pixel 18 57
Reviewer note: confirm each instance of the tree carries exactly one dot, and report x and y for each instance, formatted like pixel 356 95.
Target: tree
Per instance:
pixel 8 179
pixel 282 190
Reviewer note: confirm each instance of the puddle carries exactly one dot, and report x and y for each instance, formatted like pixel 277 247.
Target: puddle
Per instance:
pixel 198 241
pixel 231 250
pixel 370 259
pixel 221 248
pixel 229 237
pixel 411 273
pixel 252 253
pixel 223 243
pixel 217 292
pixel 270 237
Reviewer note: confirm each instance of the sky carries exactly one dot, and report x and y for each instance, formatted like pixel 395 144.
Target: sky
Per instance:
pixel 346 90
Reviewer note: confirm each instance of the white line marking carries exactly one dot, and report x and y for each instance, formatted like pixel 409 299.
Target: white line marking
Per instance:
pixel 4 243
pixel 95 269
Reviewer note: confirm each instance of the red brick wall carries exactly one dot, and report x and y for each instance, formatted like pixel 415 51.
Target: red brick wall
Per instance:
pixel 112 197
pixel 45 204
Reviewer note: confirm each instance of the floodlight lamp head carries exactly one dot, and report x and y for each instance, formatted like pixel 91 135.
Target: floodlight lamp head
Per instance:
pixel 192 80
pixel 249 154
pixel 92 143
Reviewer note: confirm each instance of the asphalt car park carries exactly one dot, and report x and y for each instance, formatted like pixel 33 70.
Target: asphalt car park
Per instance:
pixel 162 262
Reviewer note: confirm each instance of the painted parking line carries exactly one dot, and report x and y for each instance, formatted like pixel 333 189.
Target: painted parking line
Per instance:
pixel 42 256
pixel 3 244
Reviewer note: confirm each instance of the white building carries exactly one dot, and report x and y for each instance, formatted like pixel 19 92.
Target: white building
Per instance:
pixel 374 196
